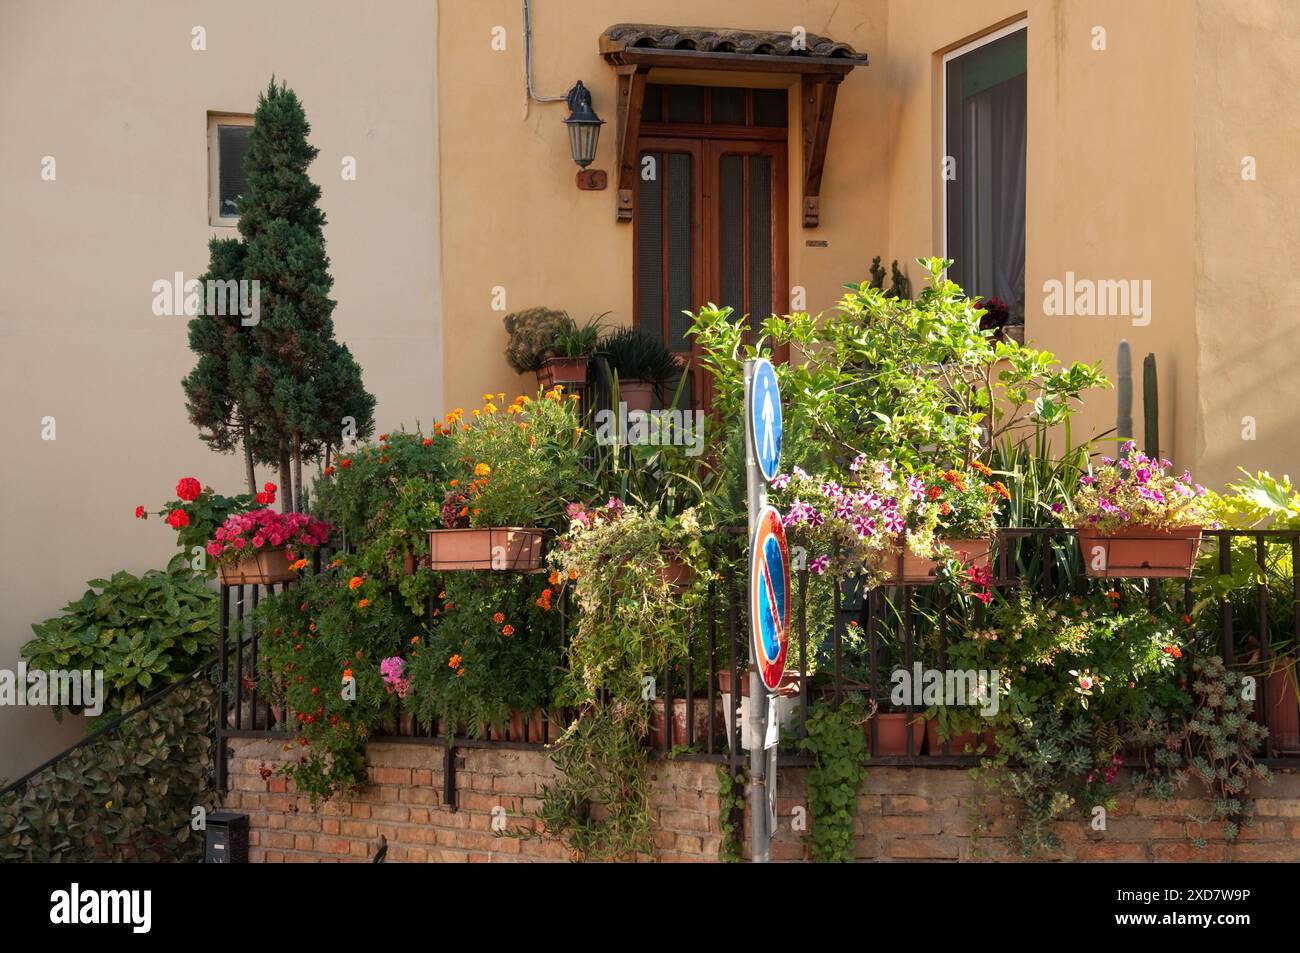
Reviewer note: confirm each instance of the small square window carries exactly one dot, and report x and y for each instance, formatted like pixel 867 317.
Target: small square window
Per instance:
pixel 228 139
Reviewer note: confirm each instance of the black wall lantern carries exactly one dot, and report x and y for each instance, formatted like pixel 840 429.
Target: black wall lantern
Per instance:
pixel 584 126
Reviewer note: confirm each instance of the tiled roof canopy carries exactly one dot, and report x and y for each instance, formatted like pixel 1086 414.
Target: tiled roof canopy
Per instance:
pixel 819 63
pixel 699 39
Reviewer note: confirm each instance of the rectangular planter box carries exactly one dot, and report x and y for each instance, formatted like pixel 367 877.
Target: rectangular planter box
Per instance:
pixel 903 568
pixel 1140 552
pixel 569 371
pixel 502 548
pixel 261 568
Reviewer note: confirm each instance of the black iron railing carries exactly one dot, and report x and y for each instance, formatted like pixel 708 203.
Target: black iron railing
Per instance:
pixel 891 626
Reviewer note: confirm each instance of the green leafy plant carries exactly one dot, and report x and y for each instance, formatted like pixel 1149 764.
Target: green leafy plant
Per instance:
pixel 633 623
pixel 493 648
pixel 1216 745
pixel 126 795
pixel 198 510
pixel 577 340
pixel 838 746
pixel 513 466
pixel 888 378
pixel 323 647
pixel 731 814
pixel 636 355
pixel 141 632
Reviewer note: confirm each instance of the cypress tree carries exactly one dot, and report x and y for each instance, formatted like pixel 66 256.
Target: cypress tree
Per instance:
pixel 290 378
pixel 212 388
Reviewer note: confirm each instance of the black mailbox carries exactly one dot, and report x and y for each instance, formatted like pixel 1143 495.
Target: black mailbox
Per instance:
pixel 226 839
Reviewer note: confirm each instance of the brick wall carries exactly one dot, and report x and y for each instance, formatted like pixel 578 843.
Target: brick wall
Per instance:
pixel 904 814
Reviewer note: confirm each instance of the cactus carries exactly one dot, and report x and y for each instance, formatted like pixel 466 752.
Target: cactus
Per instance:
pixel 1150 407
pixel 877 274
pixel 1124 391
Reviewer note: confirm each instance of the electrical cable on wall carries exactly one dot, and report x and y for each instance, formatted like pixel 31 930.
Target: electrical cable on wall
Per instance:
pixel 528 64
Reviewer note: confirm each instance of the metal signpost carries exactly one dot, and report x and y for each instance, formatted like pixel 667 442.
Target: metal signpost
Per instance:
pixel 769 587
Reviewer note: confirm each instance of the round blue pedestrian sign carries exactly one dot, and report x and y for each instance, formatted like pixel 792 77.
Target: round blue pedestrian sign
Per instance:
pixel 765 418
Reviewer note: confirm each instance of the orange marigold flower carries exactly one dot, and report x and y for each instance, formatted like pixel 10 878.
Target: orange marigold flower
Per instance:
pixel 1001 489
pixel 428 441
pixel 345 463
pixel 363 603
pixel 487 397
pixel 553 578
pixel 499 617
pixel 460 673
pixel 347 672
pixel 934 492
pixel 482 470
pixel 454 662
pixel 455 483
pixel 299 565
pixel 507 630
pixel 573 574
pixel 329 471
pixel 980 468
pixel 415 640
pixel 945 509
pixel 356 582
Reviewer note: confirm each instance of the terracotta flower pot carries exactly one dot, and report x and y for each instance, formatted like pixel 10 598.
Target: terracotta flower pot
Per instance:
pixel 569 371
pixel 903 567
pixel 503 548
pixel 1283 708
pixel 638 395
pixel 788 687
pixel 703 710
pixel 957 743
pixel 891 732
pixel 250 720
pixel 260 568
pixel 676 574
pixel 1137 552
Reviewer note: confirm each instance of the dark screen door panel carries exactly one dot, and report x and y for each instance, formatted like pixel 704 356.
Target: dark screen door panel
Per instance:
pixel 710 226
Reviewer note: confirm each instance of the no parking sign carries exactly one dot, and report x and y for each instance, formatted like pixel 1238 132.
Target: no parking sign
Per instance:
pixel 769 602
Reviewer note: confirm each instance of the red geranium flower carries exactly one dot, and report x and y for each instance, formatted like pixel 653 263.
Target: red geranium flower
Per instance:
pixel 188 489
pixel 140 513
pixel 178 518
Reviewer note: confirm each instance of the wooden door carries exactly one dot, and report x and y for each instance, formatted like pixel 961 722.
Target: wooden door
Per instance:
pixel 711 226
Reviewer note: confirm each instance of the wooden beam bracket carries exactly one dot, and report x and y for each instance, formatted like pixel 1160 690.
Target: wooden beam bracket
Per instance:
pixel 817 108
pixel 631 99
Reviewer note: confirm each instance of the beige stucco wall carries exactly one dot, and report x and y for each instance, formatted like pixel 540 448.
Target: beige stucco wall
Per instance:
pixel 117 96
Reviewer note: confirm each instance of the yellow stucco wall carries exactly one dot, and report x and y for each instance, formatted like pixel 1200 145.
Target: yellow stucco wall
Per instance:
pixel 1128 147
pixel 1109 181
pixel 514 218
pixel 115 93
pixel 1247 236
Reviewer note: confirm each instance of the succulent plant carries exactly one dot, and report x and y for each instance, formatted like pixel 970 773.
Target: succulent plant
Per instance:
pixel 637 356
pixel 534 337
